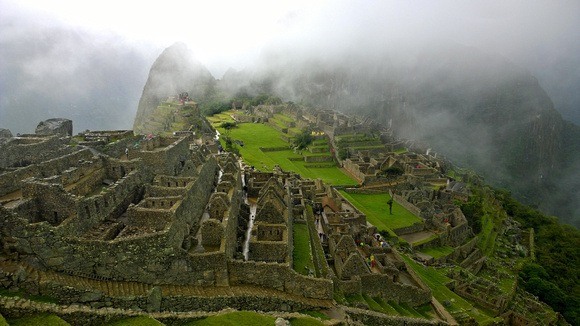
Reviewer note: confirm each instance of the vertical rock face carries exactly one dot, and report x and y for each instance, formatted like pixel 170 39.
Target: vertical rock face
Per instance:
pixel 5 133
pixel 175 71
pixel 56 126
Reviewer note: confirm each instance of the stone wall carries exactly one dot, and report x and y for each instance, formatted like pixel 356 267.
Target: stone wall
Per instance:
pixel 381 285
pixel 164 158
pixel 416 227
pixel 122 258
pixel 22 151
pixel 372 318
pixel 231 219
pixel 12 181
pixel 269 251
pixel 280 277
pixel 318 159
pixel 410 207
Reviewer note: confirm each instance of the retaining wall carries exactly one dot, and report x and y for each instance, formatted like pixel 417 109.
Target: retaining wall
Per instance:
pixel 280 277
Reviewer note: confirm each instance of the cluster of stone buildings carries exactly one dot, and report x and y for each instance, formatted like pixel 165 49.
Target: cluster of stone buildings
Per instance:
pixel 172 219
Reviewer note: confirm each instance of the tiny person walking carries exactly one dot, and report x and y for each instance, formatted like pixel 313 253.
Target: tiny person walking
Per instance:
pixel 127 152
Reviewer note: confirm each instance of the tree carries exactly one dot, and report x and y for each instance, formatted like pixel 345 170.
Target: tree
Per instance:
pixel 228 125
pixel 303 139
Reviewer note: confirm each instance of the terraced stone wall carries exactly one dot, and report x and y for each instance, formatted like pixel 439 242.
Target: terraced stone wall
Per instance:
pixel 31 150
pixel 12 181
pixel 381 285
pixel 280 277
pixel 164 157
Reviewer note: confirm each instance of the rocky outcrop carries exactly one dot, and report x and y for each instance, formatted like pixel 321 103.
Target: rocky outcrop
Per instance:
pixel 5 133
pixel 175 71
pixel 56 126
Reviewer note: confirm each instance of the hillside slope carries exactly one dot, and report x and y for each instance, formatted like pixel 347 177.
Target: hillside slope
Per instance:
pixel 478 109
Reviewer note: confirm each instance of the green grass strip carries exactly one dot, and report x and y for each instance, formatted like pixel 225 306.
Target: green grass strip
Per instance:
pixel 40 319
pixel 375 207
pixel 302 254
pixel 239 318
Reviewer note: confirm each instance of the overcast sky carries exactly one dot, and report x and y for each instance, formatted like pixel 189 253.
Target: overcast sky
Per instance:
pixel 232 32
pixel 538 35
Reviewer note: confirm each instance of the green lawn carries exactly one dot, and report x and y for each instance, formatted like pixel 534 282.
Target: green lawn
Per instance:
pixel 375 207
pixel 436 281
pixel 437 252
pixel 239 318
pixel 387 308
pixel 136 321
pixel 302 254
pixel 305 321
pixel 256 135
pixel 40 319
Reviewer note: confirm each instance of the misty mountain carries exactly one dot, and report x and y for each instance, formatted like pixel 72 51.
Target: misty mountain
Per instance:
pixel 175 71
pixel 479 110
pixel 52 71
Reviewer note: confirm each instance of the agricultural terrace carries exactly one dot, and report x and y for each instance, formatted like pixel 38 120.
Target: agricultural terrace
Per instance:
pixel 263 147
pixel 455 304
pixel 375 207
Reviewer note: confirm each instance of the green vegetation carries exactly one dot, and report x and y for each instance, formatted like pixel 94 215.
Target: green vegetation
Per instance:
pixel 356 300
pixel 375 207
pixel 393 171
pixel 426 240
pixel 316 314
pixel 227 125
pixel 303 139
pixel 137 321
pixel 454 303
pixel 40 319
pixel 317 252
pixel 305 321
pixel 238 318
pixel 387 308
pixel 555 276
pixel 256 136
pixel 32 297
pixel 302 254
pixel 3 321
pixel 473 211
pixel 437 252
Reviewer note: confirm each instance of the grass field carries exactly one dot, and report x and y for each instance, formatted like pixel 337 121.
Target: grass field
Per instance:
pixel 246 318
pixel 377 211
pixel 437 252
pixel 40 319
pixel 256 135
pixel 136 321
pixel 239 318
pixel 302 254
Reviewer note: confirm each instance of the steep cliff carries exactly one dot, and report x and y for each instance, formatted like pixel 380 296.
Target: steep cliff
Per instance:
pixel 175 71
